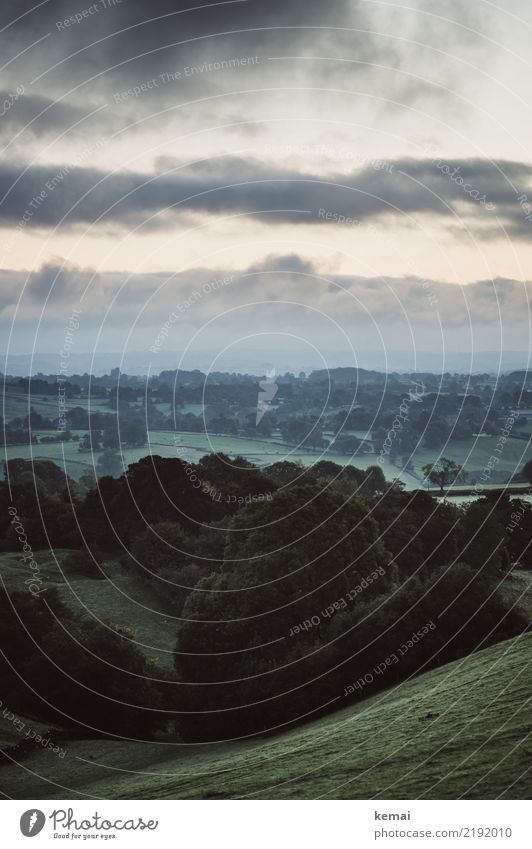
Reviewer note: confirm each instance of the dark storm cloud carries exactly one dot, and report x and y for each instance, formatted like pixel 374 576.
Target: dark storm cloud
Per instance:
pixel 474 192
pixel 42 117
pixel 141 37
pixel 123 43
pixel 208 15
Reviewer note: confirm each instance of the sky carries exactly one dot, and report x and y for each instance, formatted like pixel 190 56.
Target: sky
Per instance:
pixel 247 184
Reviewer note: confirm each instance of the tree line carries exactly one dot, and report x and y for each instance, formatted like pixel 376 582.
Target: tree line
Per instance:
pixel 289 585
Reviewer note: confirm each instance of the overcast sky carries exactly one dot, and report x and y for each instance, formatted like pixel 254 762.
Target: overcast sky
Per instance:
pixel 294 176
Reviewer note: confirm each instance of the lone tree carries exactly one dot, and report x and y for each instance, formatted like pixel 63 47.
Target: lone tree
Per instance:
pixel 443 473
pixel 110 463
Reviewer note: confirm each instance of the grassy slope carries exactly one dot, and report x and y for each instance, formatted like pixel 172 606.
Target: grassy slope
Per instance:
pixel 120 599
pixel 518 591
pixel 437 735
pixel 459 731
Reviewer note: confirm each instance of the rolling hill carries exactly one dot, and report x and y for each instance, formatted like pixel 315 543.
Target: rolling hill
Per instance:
pixel 461 731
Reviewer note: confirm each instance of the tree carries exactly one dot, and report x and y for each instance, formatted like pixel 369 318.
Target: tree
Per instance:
pixel 161 489
pixel 373 481
pixel 285 472
pixel 44 473
pixel 286 561
pixel 109 463
pixel 133 432
pixel 96 438
pixel 85 443
pixel 35 421
pixel 436 433
pixel 527 471
pixel 303 431
pixel 75 671
pixel 231 482
pixel 110 436
pixel 443 473
pixel 222 424
pixel 164 559
pixel 484 538
pixel 326 469
pixel 419 531
pixel 86 481
pixel 347 443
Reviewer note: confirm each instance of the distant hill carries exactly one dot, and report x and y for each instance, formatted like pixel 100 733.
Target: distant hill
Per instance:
pixel 385 360
pixel 346 376
pixel 522 377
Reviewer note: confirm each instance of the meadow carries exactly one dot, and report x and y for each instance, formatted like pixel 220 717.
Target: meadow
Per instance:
pixel 119 598
pixel 192 446
pixel 473 453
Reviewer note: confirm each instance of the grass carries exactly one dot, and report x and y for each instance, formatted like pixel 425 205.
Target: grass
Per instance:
pixel 518 591
pixel 458 731
pixel 475 454
pixel 10 735
pixel 74 461
pixel 120 599
pixel 193 446
pixel 461 731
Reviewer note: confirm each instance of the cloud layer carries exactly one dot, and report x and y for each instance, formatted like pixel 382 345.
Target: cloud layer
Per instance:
pixel 470 192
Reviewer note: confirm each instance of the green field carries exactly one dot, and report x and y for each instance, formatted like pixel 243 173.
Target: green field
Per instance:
pixel 474 454
pixel 191 447
pixel 461 731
